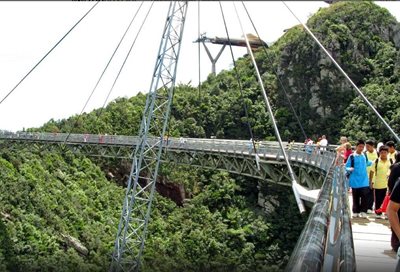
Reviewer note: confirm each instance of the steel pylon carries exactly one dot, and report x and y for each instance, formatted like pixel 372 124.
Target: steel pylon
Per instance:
pixel 132 227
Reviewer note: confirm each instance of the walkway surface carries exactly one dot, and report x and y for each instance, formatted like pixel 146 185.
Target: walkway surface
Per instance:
pixel 371 238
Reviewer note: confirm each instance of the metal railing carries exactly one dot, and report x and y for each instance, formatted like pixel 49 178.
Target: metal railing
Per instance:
pixel 326 242
pixel 319 158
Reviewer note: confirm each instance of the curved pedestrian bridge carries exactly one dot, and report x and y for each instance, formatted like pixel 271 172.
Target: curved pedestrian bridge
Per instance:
pixel 234 156
pixel 265 149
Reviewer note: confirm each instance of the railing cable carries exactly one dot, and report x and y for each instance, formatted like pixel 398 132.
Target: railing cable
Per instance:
pixel 276 72
pixel 198 45
pixel 277 134
pixel 103 72
pixel 37 64
pixel 126 58
pixel 239 82
pixel 345 74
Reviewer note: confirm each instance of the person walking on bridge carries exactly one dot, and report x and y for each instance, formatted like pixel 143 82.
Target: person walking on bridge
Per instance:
pixel 392 150
pixel 347 152
pixel 393 179
pixel 323 144
pixel 393 211
pixel 342 147
pixel 357 166
pixel 378 177
pixel 394 176
pixel 309 148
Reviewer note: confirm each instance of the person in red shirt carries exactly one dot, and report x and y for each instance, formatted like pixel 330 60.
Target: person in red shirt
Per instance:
pixel 347 152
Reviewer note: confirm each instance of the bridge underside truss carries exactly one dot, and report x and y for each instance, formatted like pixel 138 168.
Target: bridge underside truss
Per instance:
pixel 271 170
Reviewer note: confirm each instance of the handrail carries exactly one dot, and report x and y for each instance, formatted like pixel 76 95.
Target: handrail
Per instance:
pixel 265 149
pixel 326 242
pixel 309 250
pixel 347 255
pixel 96 138
pixel 115 139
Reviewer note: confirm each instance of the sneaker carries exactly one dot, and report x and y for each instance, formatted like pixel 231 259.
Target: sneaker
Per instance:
pixel 370 211
pixel 380 216
pixel 355 215
pixel 363 215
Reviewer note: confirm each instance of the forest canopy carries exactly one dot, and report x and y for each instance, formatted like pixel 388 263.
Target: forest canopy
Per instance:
pixel 59 210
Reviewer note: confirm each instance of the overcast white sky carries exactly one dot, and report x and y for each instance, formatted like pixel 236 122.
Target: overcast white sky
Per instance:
pixel 60 85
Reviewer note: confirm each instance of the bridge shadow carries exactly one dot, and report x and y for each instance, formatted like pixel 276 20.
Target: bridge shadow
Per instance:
pixel 360 221
pixel 370 218
pixel 384 222
pixel 390 253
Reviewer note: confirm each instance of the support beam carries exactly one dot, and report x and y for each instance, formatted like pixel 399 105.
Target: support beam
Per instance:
pixel 132 228
pixel 255 42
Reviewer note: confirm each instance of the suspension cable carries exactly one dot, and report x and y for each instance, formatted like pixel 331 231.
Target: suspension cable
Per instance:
pixel 198 45
pixel 124 62
pixel 276 72
pixel 345 75
pixel 102 74
pixel 277 134
pixel 37 64
pixel 238 81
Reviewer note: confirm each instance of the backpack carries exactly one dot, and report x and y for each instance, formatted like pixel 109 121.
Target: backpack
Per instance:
pixel 376 164
pixel 351 157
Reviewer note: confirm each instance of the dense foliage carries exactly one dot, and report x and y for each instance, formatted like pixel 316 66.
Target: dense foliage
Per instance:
pixel 46 195
pixel 49 195
pixel 221 229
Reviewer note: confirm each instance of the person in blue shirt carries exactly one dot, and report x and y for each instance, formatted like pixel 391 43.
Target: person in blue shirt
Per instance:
pixel 357 164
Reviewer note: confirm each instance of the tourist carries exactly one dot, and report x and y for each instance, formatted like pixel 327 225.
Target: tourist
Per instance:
pixel 378 177
pixel 357 166
pixel 290 144
pixel 323 143
pixel 393 211
pixel 342 148
pixel 309 148
pixel 392 150
pixel 348 151
pixel 394 175
pixel 393 179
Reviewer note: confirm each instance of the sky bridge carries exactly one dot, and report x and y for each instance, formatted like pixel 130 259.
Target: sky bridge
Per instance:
pixel 330 241
pixel 235 156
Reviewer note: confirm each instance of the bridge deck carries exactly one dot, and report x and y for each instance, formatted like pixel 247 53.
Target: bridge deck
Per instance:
pixel 371 237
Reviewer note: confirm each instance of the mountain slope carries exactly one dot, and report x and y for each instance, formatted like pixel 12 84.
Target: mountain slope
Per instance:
pixel 48 198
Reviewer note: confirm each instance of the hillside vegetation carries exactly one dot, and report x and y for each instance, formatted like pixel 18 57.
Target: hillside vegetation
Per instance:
pixel 362 37
pixel 59 212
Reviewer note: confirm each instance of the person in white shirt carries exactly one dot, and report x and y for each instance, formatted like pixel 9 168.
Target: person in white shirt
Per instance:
pixel 323 143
